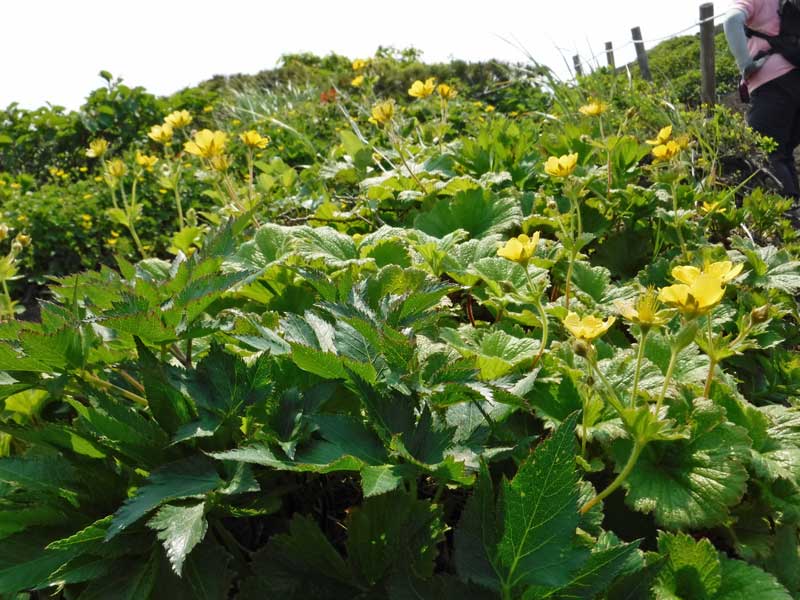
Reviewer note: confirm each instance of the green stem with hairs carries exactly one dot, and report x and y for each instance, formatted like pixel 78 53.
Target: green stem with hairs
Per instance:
pixel 673 359
pixel 542 317
pixel 639 359
pixel 620 479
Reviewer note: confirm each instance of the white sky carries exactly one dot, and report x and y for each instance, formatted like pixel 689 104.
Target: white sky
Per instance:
pixel 52 50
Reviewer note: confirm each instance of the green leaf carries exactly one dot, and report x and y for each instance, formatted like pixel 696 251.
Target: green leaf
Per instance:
pixel 336 249
pixel 690 483
pixel 692 570
pixel 741 581
pixel 476 211
pixel 25 564
pixel 380 480
pixel 180 528
pixel 598 573
pixel 42 474
pixel 188 478
pixel 539 515
pixel 300 563
pixel 393 532
pixel 207 572
pixel 168 405
pixel 496 352
pixel 135 581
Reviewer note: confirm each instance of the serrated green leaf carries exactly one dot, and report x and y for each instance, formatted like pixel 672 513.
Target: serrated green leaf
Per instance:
pixel 180 528
pixel 189 478
pixel 690 483
pixel 692 569
pixel 25 564
pixel 598 573
pixel 376 480
pixel 476 211
pixel 741 581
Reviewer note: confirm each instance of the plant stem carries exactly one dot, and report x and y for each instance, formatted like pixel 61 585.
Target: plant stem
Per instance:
pixel 7 297
pixel 108 386
pixel 673 359
pixel 613 398
pixel 542 316
pixel 620 479
pixel 712 354
pixel 639 358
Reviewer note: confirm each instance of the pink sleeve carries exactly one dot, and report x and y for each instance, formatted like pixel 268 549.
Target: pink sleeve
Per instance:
pixel 746 6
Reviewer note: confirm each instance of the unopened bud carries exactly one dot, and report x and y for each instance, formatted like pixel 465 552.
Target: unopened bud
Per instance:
pixel 552 204
pixel 3 231
pixel 23 239
pixel 582 348
pixel 760 314
pixel 16 247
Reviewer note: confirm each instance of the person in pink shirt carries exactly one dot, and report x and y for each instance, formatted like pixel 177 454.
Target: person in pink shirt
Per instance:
pixel 773 83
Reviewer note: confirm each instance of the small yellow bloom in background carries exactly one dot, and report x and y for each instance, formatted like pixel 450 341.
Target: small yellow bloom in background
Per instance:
pixel 23 240
pixel 708 208
pixel 519 249
pixel 595 108
pixel 447 92
pixel 207 143
pixel 86 217
pixel 146 161
pixel 561 166
pixel 357 81
pixel 162 191
pixel 421 90
pixel 88 196
pixel 22 218
pixel 3 231
pixel 208 109
pixel 663 136
pixel 645 312
pixel 220 162
pixel 683 141
pixel 161 133
pixel 97 148
pixel 83 169
pixel 178 119
pixel 253 139
pixel 588 328
pixel 695 299
pixel 15 186
pixel 359 64
pixel 98 178
pixel 666 152
pixel 237 122
pixel 2 183
pixel 383 112
pixel 116 168
pixel 489 108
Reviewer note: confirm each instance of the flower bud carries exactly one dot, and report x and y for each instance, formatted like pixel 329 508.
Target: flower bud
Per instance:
pixel 23 239
pixel 760 314
pixel 3 231
pixel 582 348
pixel 16 247
pixel 552 204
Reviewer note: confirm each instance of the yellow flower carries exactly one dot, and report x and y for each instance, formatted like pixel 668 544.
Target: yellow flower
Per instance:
pixel 220 162
pixel 489 108
pixel 86 217
pixel 116 168
pixel 88 196
pixel 422 90
pixel 161 133
pixel 595 108
pixel 143 160
pixel 207 143
pixel 519 249
pixel 645 311
pixel 665 152
pixel 178 119
pixel 663 135
pixel 15 185
pixel 561 166
pixel 3 231
pixel 383 112
pixel 588 328
pixel 711 207
pixel 23 240
pixel 208 108
pixel 357 81
pixel 724 269
pixel 97 148
pixel 83 169
pixel 253 139
pixel 695 299
pixel 359 64
pixel 446 92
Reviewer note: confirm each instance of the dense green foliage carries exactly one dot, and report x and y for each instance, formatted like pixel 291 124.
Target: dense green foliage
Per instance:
pixel 400 350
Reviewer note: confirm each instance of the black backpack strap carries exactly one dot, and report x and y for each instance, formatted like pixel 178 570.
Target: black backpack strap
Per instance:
pixel 770 38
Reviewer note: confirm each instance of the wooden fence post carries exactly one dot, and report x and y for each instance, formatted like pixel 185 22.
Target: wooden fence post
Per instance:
pixel 576 60
pixel 708 86
pixel 610 56
pixel 641 55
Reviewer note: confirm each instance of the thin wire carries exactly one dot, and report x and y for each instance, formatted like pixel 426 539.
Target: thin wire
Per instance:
pixel 593 57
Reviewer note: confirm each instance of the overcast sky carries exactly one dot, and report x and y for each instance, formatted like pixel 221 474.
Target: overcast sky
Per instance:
pixel 52 50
